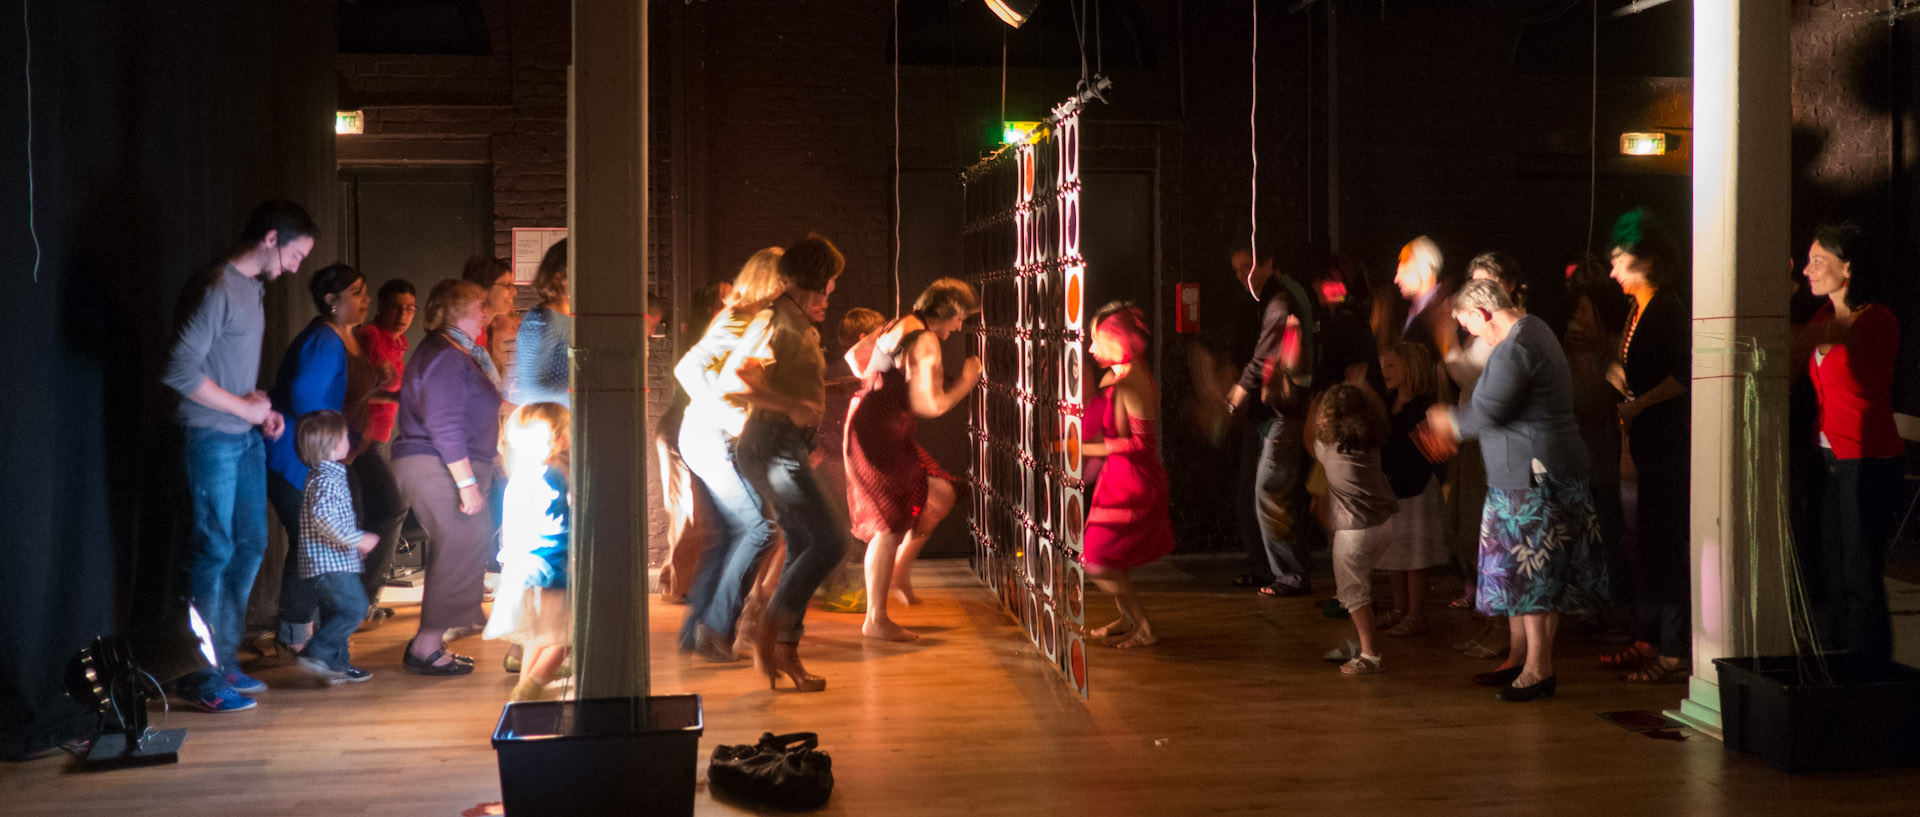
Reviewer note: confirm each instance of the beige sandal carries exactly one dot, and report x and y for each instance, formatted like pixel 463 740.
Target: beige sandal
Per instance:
pixel 1363 664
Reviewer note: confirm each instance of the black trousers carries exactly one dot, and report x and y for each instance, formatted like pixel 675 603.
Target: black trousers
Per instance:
pixel 1846 566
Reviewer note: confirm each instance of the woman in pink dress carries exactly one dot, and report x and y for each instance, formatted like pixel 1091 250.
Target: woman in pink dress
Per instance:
pixel 1127 521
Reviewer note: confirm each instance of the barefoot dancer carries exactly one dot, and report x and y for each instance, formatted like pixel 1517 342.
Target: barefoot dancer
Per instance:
pixel 1127 521
pixel 896 493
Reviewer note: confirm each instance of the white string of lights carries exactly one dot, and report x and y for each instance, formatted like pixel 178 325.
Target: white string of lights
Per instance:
pixel 896 158
pixel 1253 139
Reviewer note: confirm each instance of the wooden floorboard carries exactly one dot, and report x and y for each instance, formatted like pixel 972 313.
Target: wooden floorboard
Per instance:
pixel 1232 713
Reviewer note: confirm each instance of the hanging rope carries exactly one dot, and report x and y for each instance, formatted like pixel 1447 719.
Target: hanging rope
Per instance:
pixel 1253 138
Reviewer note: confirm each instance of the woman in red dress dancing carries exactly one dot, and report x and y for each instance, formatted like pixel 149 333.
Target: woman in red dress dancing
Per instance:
pixel 1127 521
pixel 896 493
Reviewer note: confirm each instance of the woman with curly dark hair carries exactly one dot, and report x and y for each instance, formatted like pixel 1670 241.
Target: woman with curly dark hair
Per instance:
pixel 1345 429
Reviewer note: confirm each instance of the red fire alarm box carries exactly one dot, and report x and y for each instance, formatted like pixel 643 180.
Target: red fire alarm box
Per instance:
pixel 1187 318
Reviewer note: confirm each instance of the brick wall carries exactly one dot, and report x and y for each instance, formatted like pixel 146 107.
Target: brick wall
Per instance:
pixel 513 103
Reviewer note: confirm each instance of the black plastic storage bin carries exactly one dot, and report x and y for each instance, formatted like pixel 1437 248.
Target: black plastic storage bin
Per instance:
pixel 624 756
pixel 1781 709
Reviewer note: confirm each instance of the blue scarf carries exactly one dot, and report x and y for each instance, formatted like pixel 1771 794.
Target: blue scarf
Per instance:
pixel 479 355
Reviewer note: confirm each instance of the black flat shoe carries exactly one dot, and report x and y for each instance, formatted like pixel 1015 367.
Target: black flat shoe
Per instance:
pixel 1497 678
pixel 460 665
pixel 1539 689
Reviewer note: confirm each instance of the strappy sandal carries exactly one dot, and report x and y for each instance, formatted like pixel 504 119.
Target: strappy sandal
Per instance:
pixel 1363 664
pixel 1476 649
pixel 1409 626
pixel 1463 603
pixel 1657 671
pixel 1634 656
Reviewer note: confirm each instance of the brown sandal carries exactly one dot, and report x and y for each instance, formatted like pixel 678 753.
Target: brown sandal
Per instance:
pixel 1657 671
pixel 1637 655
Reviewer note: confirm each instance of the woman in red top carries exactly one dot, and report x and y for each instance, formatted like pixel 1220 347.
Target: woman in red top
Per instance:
pixel 1854 344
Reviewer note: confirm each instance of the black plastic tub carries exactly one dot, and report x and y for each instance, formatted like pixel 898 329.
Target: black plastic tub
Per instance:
pixel 626 756
pixel 1784 710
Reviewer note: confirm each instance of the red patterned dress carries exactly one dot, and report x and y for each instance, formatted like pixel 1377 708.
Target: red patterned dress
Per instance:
pixel 887 470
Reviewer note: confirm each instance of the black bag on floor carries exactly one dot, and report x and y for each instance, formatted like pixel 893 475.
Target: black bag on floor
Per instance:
pixel 788 771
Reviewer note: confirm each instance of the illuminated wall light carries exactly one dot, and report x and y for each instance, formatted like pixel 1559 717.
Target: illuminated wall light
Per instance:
pixel 1013 12
pixel 347 122
pixel 1015 132
pixel 1643 144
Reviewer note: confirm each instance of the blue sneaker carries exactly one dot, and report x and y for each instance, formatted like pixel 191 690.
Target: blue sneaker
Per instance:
pixel 245 684
pixel 224 700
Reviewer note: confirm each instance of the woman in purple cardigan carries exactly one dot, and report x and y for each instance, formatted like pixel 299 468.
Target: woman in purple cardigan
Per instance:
pixel 444 445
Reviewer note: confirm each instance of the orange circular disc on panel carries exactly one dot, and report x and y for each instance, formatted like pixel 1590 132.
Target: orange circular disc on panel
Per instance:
pixel 1073 300
pixel 1077 662
pixel 1073 451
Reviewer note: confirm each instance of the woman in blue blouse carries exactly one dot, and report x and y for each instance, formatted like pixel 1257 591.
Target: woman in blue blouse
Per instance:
pixel 325 369
pixel 540 352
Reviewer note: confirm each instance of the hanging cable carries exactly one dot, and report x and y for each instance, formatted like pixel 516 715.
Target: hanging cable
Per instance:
pixel 896 156
pixel 1593 131
pixel 26 27
pixel 1253 140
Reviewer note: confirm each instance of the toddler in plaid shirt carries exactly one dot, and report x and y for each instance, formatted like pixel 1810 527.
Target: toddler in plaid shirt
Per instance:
pixel 330 548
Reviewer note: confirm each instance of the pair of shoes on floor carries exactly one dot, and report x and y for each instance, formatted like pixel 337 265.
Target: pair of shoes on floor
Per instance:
pixel 458 665
pixel 1363 664
pixel 1539 689
pixel 1343 653
pixel 350 675
pixel 223 700
pixel 1286 591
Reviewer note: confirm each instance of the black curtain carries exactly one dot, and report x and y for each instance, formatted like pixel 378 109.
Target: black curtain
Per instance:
pixel 155 128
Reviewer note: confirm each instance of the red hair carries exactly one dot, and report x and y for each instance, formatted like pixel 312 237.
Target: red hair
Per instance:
pixel 1128 326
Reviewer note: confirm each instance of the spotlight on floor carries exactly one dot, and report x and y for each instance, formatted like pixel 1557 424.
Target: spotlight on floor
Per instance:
pixel 116 676
pixel 1013 12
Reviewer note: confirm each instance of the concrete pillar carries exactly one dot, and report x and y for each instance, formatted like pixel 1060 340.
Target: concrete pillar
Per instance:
pixel 1741 188
pixel 607 215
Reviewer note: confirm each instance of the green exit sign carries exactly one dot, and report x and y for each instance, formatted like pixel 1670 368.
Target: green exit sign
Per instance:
pixel 349 122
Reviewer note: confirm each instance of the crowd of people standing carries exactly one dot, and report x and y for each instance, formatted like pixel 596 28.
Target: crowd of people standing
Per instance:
pixel 1478 423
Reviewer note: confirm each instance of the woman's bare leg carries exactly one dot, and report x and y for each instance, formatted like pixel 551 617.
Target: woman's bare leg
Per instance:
pixel 940 499
pixel 1133 615
pixel 1539 630
pixel 880 559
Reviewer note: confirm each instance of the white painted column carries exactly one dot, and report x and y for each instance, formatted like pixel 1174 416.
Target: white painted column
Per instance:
pixel 607 216
pixel 1741 189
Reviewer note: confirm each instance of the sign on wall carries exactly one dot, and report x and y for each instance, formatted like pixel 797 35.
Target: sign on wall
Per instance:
pixel 530 244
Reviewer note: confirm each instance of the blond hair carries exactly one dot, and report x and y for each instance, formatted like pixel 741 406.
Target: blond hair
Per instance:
pixel 947 298
pixel 759 282
pixel 449 298
pixel 316 434
pixel 557 419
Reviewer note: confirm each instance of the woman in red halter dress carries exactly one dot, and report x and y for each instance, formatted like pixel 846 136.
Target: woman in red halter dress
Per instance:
pixel 1127 521
pixel 896 493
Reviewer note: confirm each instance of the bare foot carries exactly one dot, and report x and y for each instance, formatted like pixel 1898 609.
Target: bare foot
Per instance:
pixel 1142 637
pixel 904 594
pixel 1116 627
pixel 886 630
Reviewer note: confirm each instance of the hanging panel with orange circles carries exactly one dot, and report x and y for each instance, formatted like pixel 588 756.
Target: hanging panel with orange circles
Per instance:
pixel 1021 249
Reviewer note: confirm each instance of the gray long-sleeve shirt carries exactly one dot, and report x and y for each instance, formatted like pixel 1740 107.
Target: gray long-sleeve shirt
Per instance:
pixel 217 336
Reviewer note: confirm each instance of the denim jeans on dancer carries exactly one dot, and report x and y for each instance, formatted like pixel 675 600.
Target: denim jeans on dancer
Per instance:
pixel 343 605
pixel 773 456
pixel 227 474
pixel 1272 476
pixel 738 535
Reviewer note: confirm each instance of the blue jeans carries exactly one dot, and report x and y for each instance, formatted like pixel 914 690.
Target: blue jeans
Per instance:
pixel 343 605
pixel 227 474
pixel 1272 477
pixel 740 532
pixel 773 456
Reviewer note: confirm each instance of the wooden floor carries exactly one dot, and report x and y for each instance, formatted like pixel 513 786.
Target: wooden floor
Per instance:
pixel 1232 713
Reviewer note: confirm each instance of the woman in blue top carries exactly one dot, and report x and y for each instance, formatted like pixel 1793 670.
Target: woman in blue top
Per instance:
pixel 325 369
pixel 540 351
pixel 1538 531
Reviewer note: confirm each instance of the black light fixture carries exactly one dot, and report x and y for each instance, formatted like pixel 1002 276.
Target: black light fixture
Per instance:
pixel 116 676
pixel 1013 12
